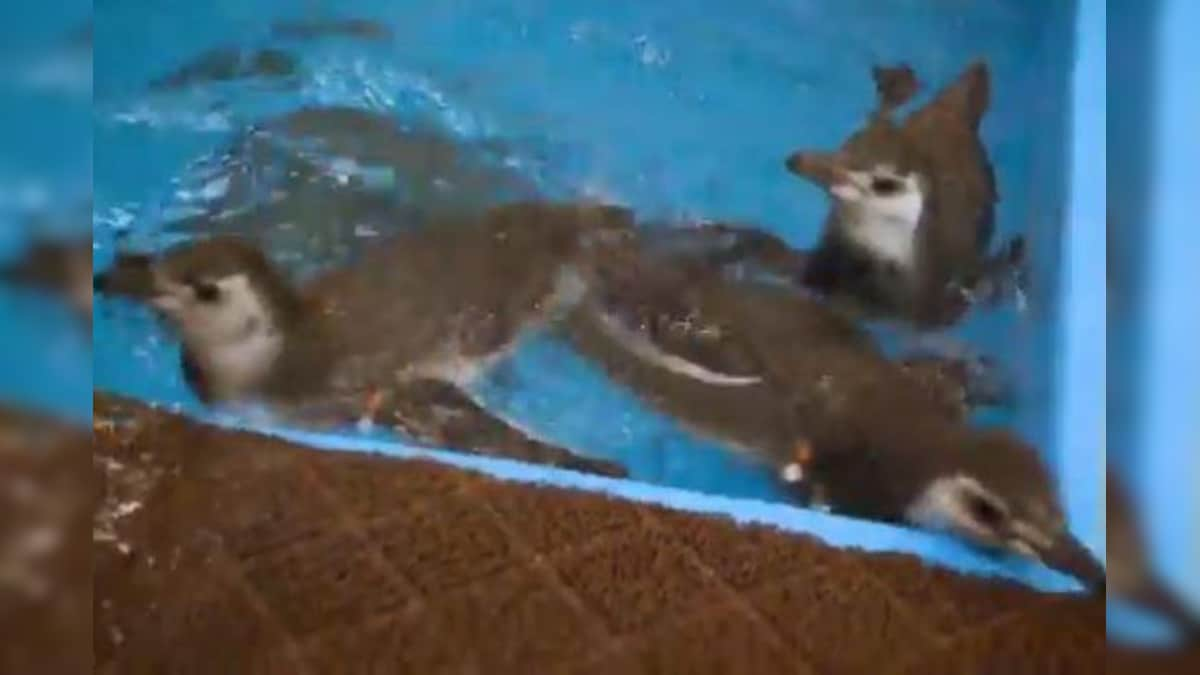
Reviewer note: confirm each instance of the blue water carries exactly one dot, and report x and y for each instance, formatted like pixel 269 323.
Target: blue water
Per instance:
pixel 45 161
pixel 676 108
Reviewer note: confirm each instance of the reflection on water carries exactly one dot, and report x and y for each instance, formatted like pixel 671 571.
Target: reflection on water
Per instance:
pixel 225 65
pixel 317 185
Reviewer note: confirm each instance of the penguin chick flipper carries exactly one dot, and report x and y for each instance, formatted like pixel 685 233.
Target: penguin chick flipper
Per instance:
pixel 723 245
pixel 451 418
pixel 943 381
pixel 960 384
pixel 1003 278
pixel 762 250
pixel 917 345
pixel 894 86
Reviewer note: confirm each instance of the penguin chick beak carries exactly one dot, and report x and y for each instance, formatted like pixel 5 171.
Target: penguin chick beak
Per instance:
pixel 824 169
pixel 1067 555
pixel 131 276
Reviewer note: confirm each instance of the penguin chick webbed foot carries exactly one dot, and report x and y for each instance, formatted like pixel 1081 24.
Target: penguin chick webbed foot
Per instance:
pixel 953 370
pixel 445 415
pixel 894 87
pixel 1004 277
pixel 960 385
pixel 726 245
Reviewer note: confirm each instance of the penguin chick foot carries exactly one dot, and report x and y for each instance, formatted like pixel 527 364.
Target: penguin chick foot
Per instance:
pixel 1004 278
pixel 464 425
pixel 894 86
pixel 959 378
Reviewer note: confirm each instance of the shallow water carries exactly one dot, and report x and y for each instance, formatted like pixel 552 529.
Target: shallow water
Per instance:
pixel 677 109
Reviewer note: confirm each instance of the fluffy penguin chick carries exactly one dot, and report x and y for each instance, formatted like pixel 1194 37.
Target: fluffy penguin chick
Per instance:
pixel 394 338
pixel 795 384
pixel 913 206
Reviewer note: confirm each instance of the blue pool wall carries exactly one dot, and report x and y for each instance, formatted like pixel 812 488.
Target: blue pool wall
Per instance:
pixel 45 157
pixel 1082 307
pixel 1153 434
pixel 1135 25
pixel 1167 448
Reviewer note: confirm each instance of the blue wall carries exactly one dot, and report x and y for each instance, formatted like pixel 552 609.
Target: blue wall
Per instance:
pixel 1081 407
pixel 1154 368
pixel 1132 64
pixel 1169 447
pixel 45 159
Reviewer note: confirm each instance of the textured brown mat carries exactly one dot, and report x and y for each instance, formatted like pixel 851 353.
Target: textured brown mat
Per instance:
pixel 220 552
pixel 45 580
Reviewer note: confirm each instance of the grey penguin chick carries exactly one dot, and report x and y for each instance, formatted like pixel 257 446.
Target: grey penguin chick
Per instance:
pixel 1133 577
pixel 787 380
pixel 913 210
pixel 393 339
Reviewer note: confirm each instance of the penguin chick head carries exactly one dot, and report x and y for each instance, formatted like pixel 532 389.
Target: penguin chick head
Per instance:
pixel 879 194
pixel 998 495
pixel 228 303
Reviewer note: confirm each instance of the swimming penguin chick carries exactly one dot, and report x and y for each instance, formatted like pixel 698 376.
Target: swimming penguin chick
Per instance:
pixel 785 379
pixel 1133 577
pixel 392 340
pixel 60 267
pixel 913 206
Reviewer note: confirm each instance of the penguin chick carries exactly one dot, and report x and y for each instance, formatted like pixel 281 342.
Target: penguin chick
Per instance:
pixel 400 335
pixel 913 208
pixel 60 267
pixel 765 370
pixel 1133 576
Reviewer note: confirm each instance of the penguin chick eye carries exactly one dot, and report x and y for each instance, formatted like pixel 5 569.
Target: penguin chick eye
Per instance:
pixel 206 292
pixel 986 511
pixel 885 186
